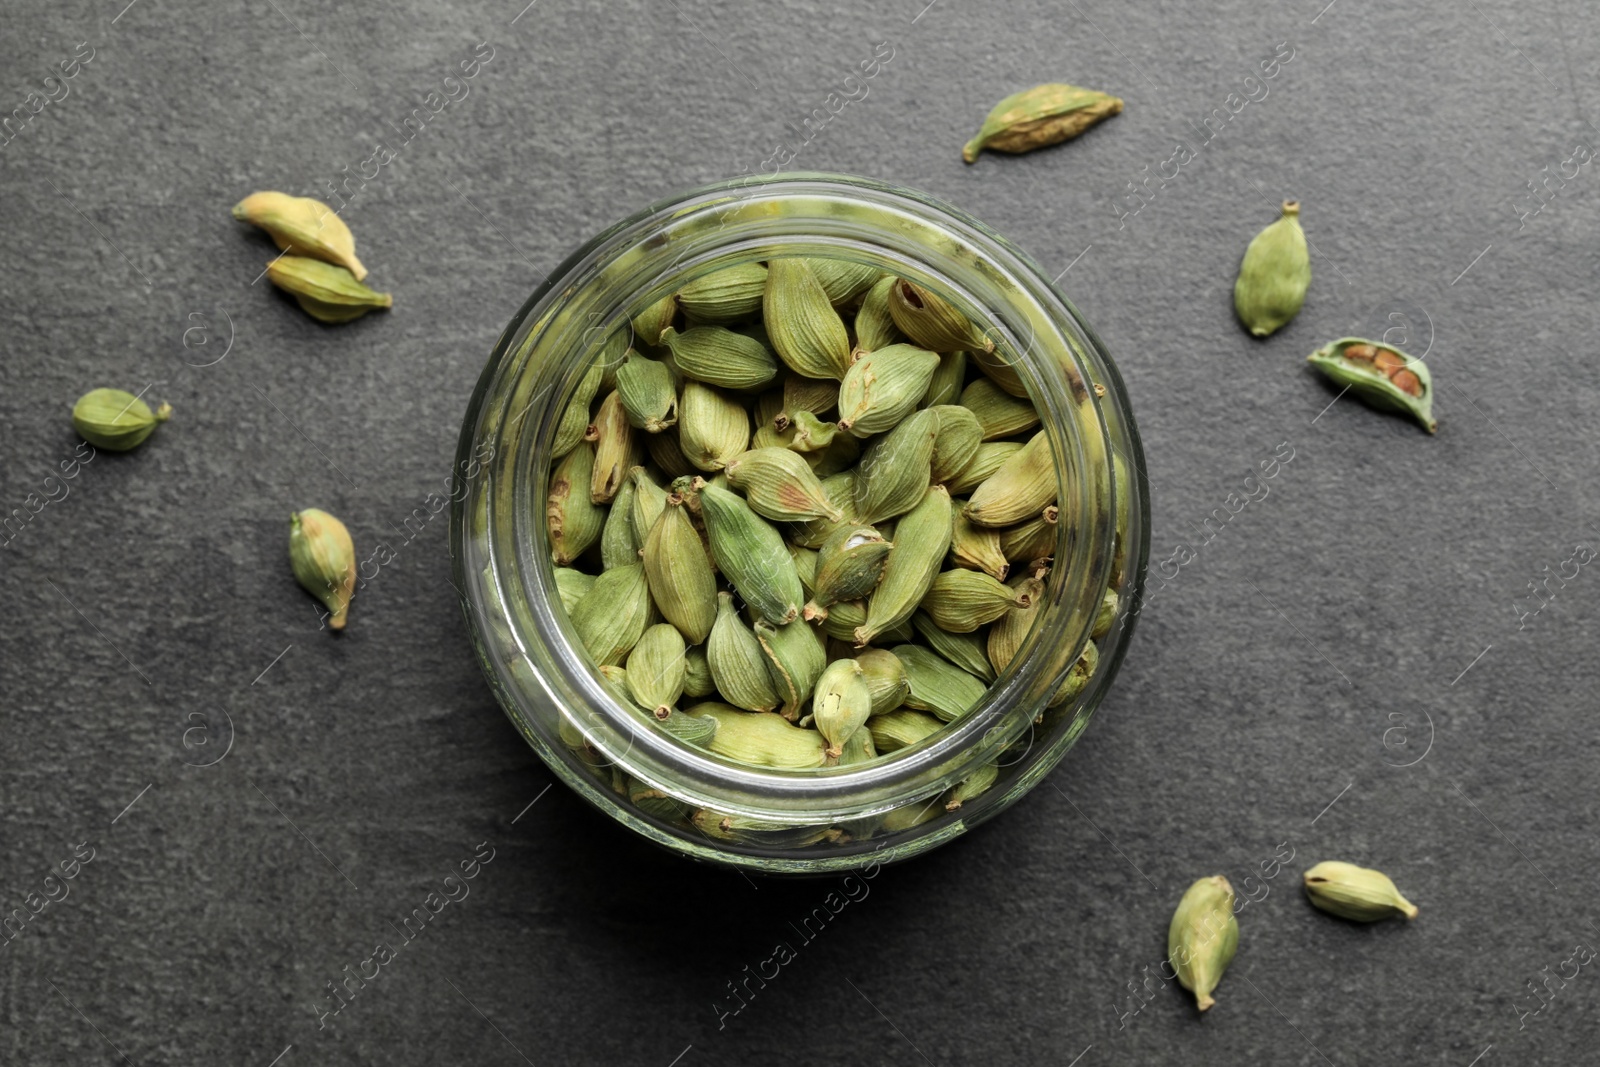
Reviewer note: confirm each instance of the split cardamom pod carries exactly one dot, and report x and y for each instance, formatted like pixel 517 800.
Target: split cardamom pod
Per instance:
pixel 1356 893
pixel 326 292
pixel 1203 937
pixel 1041 116
pixel 116 420
pixel 1380 375
pixel 849 565
pixel 572 518
pixel 1274 276
pixel 324 561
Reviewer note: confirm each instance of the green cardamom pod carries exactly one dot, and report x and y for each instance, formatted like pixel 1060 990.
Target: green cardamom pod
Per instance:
pixel 653 321
pixel 1033 539
pixel 1380 375
pixel 901 728
pixel 326 292
pixel 1078 676
pixel 713 427
pixel 842 279
pixel 886 678
pixel 857 748
pixel 990 457
pixel 961 600
pixel 656 803
pixel 848 616
pixel 875 326
pixel 957 442
pixel 806 331
pixel 575 416
pixel 667 454
pixel 303 226
pixel 619 541
pixel 998 412
pixel 841 490
pixel 894 473
pixel 1275 274
pixel 115 420
pixel 778 484
pixel 1106 615
pixel 1044 115
pixel 1357 893
pixel 1011 629
pixel 760 738
pixel 974 785
pixel 678 571
pixel 882 387
pixel 840 452
pixel 945 386
pixel 572 586
pixel 965 650
pixel 1203 937
pixel 932 322
pixel 648 501
pixel 1001 369
pixel 737 663
pixel 921 540
pixel 656 669
pixel 752 554
pixel 805 565
pixel 795 659
pixel 849 565
pixel 977 548
pixel 817 396
pixel 775 835
pixel 841 704
pixel 572 519
pixel 725 295
pixel 808 434
pixel 937 685
pixel 610 620
pixel 324 561
pixel 697 679
pixel 720 357
pixel 646 391
pixel 1023 487
pixel 615 450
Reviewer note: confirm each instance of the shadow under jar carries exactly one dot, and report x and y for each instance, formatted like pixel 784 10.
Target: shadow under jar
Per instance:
pixel 596 310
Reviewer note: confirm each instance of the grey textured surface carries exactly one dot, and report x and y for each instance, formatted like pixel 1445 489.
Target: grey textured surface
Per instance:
pixel 1381 586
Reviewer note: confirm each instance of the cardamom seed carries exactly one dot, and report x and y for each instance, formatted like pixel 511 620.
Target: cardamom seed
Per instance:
pixel 752 555
pixel 647 393
pixel 303 226
pixel 653 321
pixel 720 357
pixel 901 728
pixel 886 679
pixel 973 785
pixel 937 685
pixel 932 322
pixel 977 547
pixel 779 485
pixel 841 704
pixel 849 565
pixel 725 295
pixel 961 600
pixel 115 420
pixel 1357 893
pixel 1380 375
pixel 964 650
pixel 760 738
pixel 615 450
pixel 921 540
pixel 572 519
pixel 678 572
pixel 1203 937
pixel 842 279
pixel 806 331
pixel 945 386
pixel 875 326
pixel 990 457
pixel 882 387
pixel 325 292
pixel 737 663
pixel 324 561
pixel 998 413
pixel 1275 274
pixel 575 416
pixel 895 470
pixel 1024 486
pixel 1044 115
pixel 713 427
pixel 611 619
pixel 795 659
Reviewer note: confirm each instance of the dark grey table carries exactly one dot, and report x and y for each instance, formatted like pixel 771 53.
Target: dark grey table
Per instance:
pixel 1356 666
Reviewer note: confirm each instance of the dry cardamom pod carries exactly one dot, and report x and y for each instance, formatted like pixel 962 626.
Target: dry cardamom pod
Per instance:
pixel 324 561
pixel 1275 274
pixel 841 704
pixel 615 450
pixel 779 485
pixel 965 650
pixel 666 452
pixel 990 457
pixel 1357 893
pixel 1203 937
pixel 956 443
pixel 697 679
pixel 882 387
pixel 1380 375
pixel 886 678
pixel 999 413
pixel 721 357
pixel 895 470
pixel 975 784
pixel 1106 615
pixel 737 663
pixel 933 322
pixel 610 620
pixel 760 738
pixel 573 520
pixel 795 659
pixel 713 426
pixel 937 685
pixel 961 600
pixel 572 586
pixel 1078 676
pixel 842 279
pixel 752 554
pixel 849 564
pixel 647 393
pixel 817 396
pixel 619 540
pixel 1043 115
pixel 115 420
pixel 1001 369
pixel 325 292
pixel 725 295
pixel 303 226
pixel 1023 487
pixel 648 501
pixel 977 548
pixel 805 330
pixel 1011 629
pixel 1032 539
pixel 575 416
pixel 875 326
pixel 656 669
pixel 901 727
pixel 653 321
pixel 841 489
pixel 945 386
pixel 678 572
pixel 921 540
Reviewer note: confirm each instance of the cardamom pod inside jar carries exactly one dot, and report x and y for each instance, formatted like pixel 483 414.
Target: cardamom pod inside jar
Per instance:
pixel 801 523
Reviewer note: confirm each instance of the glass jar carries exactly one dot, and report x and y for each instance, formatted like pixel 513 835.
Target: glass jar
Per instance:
pixel 829 818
